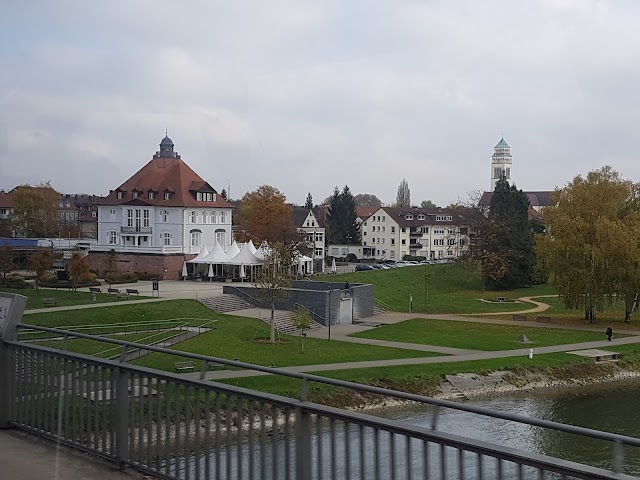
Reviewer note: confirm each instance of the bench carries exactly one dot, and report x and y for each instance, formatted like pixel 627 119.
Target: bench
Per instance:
pixel 95 289
pixel 122 296
pixel 132 291
pixel 543 319
pixel 520 318
pixel 216 365
pixel 113 290
pixel 184 366
pixel 501 299
pixel 49 302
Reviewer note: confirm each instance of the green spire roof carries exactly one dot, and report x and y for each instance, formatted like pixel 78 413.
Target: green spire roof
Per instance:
pixel 502 144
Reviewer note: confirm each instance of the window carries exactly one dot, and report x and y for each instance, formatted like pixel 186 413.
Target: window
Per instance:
pixel 113 237
pixel 382 240
pixel 408 216
pixel 393 229
pixel 166 238
pixel 3 211
pixel 112 212
pixel 334 250
pixel 345 251
pixel 383 229
pixel 119 195
pixel 425 229
pixel 451 241
pixel 134 194
pixel 319 237
pixel 319 252
pixel 167 195
pixel 404 241
pixel 403 229
pixel 75 215
pixel 192 216
pixel 438 242
pixel 129 217
pixel 145 218
pixel 93 213
pixel 383 218
pixel 308 223
pixel 420 217
pixel 393 254
pixel 364 234
pixel 151 195
pixel 393 241
pixel 221 236
pixel 438 232
pixel 199 196
pixel 196 236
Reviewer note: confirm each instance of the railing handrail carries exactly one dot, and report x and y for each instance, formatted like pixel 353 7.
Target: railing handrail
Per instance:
pixel 612 437
pixel 254 301
pixel 381 303
pixel 313 314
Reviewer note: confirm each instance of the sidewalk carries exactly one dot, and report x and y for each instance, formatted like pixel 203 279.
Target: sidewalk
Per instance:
pixel 27 457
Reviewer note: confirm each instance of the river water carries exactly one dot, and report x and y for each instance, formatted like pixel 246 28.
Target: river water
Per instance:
pixel 609 407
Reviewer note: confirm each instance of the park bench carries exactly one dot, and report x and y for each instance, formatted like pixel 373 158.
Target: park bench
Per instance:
pixel 122 296
pixel 49 302
pixel 95 289
pixel 184 366
pixel 132 291
pixel 543 319
pixel 520 318
pixel 113 290
pixel 216 365
pixel 501 299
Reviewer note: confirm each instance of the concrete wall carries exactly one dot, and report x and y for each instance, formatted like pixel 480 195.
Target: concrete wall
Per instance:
pixel 322 298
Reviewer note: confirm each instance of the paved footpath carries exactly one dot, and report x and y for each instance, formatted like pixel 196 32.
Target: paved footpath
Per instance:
pixel 27 457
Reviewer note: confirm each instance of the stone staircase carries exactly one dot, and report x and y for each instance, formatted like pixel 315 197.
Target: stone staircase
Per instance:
pixel 225 303
pixel 379 307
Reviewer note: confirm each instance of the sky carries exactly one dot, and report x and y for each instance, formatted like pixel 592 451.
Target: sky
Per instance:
pixel 308 95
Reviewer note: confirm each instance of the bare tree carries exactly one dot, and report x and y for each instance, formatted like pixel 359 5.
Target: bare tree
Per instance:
pixel 302 320
pixel 41 262
pixel 403 199
pixel 78 268
pixel 6 261
pixel 274 278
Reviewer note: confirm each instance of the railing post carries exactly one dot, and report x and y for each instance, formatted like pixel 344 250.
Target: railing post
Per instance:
pixel 6 392
pixel 121 423
pixel 11 308
pixel 303 443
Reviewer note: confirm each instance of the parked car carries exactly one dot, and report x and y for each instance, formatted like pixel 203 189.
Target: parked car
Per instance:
pixel 361 268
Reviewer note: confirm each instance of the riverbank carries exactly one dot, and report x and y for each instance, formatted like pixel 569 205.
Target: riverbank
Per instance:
pixel 473 386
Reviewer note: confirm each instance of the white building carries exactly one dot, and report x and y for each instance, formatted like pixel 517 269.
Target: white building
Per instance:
pixel 390 233
pixel 501 163
pixel 305 221
pixel 164 209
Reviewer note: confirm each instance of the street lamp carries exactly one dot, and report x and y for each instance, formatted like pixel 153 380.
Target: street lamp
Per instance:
pixel 348 237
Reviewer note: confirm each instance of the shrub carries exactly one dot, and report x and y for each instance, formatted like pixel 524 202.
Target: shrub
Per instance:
pixel 121 277
pixel 146 276
pixel 49 278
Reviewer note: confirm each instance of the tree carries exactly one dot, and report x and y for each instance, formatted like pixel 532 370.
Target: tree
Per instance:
pixel 403 199
pixel 111 264
pixel 35 211
pixel 593 249
pixel 302 320
pixel 367 200
pixel 265 215
pixel 78 269
pixel 223 194
pixel 428 204
pixel 41 262
pixel 274 277
pixel 6 261
pixel 507 241
pixel 308 204
pixel 342 220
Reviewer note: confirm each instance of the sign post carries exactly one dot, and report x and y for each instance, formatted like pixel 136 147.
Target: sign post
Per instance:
pixel 155 288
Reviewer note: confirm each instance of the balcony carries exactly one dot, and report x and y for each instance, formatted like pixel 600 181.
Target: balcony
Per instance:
pixel 136 230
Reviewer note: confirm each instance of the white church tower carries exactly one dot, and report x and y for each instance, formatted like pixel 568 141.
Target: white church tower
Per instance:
pixel 500 163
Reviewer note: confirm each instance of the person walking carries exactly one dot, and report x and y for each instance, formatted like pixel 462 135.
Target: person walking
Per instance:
pixel 609 333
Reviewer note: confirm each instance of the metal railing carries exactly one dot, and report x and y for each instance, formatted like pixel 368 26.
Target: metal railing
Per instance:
pixel 319 320
pixel 245 296
pixel 183 427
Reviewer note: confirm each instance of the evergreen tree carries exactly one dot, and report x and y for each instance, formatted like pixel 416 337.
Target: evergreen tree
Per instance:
pixel 342 218
pixel 308 204
pixel 223 194
pixel 507 259
pixel 403 199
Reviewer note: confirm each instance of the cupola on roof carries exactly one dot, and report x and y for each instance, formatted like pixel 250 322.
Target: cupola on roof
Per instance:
pixel 166 148
pixel 502 144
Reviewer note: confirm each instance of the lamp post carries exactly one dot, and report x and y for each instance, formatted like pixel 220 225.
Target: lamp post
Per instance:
pixel 329 316
pixel 348 237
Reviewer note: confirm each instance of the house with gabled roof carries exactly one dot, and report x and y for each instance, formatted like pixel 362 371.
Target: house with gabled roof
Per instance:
pixel 306 222
pixel 390 233
pixel 161 216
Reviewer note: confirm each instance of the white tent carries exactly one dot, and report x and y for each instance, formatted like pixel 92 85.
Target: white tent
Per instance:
pixel 210 275
pixel 233 250
pixel 184 270
pixel 263 252
pixel 305 264
pixel 251 246
pixel 333 266
pixel 245 257
pixel 203 253
pixel 242 272
pixel 216 256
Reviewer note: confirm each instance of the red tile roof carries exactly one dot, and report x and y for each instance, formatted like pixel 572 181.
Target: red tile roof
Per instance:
pixel 6 199
pixel 162 174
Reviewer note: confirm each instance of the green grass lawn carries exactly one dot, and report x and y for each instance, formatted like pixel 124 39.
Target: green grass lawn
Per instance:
pixel 476 336
pixel 96 347
pixel 450 288
pixel 64 297
pixel 234 337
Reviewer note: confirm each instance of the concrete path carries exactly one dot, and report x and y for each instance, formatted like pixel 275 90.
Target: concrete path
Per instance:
pixel 27 457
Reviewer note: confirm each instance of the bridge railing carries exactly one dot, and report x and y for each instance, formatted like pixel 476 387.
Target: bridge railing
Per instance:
pixel 184 427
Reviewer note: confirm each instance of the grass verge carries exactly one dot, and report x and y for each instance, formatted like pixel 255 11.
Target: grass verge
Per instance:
pixel 65 298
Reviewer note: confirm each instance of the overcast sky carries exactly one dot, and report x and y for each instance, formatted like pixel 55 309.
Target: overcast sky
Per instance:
pixel 306 95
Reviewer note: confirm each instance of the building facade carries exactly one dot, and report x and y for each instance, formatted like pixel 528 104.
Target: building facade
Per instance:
pixel 391 233
pixel 165 209
pixel 501 163
pixel 306 222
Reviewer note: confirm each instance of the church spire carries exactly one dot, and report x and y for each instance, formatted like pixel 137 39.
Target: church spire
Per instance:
pixel 501 162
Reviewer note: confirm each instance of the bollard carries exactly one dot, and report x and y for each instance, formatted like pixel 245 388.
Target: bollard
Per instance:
pixel 530 353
